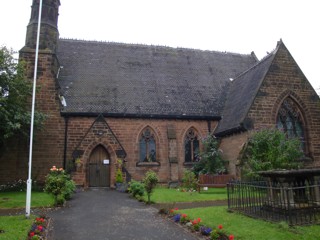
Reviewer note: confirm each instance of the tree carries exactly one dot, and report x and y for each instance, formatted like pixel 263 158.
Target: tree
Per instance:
pixel 15 93
pixel 210 159
pixel 270 149
pixel 150 182
pixel 189 180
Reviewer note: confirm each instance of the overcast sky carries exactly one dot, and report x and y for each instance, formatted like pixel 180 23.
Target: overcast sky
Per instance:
pixel 239 26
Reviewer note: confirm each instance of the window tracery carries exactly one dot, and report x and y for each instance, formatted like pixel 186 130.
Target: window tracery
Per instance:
pixel 191 146
pixel 147 146
pixel 290 120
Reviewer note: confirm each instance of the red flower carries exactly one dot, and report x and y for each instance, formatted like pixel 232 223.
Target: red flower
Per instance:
pixel 40 228
pixel 39 221
pixel 199 219
pixel 220 226
pixel 31 234
pixel 184 215
pixel 176 209
pixel 231 237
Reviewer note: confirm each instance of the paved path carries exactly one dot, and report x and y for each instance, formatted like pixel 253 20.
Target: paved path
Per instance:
pixel 110 215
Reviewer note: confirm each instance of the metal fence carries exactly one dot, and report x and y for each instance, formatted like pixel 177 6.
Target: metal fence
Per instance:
pixel 296 205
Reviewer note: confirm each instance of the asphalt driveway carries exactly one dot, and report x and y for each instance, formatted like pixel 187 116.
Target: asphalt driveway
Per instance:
pixel 102 214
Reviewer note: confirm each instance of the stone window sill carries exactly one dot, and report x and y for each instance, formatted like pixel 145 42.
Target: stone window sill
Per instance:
pixel 148 164
pixel 188 163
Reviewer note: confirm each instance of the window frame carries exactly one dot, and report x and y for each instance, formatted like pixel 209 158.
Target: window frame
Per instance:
pixel 191 137
pixel 147 140
pixel 290 109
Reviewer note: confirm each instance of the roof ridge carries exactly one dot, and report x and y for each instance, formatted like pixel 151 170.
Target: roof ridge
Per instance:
pixel 262 60
pixel 155 46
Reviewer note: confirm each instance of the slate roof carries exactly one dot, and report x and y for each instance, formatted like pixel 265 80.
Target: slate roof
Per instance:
pixel 140 80
pixel 241 95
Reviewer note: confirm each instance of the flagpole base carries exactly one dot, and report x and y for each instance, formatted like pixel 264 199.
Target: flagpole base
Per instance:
pixel 28 200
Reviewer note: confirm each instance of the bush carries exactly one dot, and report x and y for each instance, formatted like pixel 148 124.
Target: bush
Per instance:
pixel 136 188
pixel 270 149
pixel 211 161
pixel 59 184
pixel 150 182
pixel 189 180
pixel 119 178
pixel 15 186
pixel 20 186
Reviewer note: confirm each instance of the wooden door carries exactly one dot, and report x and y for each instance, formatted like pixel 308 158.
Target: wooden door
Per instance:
pixel 99 168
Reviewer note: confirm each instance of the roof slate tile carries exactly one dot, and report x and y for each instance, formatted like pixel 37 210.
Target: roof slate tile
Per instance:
pixel 116 78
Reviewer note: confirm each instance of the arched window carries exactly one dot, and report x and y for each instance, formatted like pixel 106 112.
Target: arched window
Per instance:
pixel 191 146
pixel 290 120
pixel 147 146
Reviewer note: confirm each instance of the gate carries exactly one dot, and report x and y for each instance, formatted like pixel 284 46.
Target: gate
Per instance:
pixel 99 168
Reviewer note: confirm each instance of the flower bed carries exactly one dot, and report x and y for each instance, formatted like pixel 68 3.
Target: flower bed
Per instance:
pixel 195 225
pixel 38 229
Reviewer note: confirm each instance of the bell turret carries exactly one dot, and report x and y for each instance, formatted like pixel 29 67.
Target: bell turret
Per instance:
pixel 49 33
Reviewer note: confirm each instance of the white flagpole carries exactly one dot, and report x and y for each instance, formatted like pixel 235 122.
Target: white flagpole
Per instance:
pixel 29 181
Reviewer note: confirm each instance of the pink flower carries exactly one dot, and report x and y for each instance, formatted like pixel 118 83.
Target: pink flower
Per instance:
pixel 40 228
pixel 231 237
pixel 53 168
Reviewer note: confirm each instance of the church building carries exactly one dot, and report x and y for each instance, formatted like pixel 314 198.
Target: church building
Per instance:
pixel 150 106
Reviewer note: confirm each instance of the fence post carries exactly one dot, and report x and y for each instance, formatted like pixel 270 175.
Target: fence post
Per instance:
pixel 289 207
pixel 228 193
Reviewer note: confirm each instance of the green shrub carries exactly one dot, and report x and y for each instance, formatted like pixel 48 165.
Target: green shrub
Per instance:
pixel 119 178
pixel 59 184
pixel 189 180
pixel 20 186
pixel 270 149
pixel 150 182
pixel 210 159
pixel 136 188
pixel 15 186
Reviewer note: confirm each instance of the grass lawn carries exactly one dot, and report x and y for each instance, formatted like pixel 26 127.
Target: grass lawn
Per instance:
pixel 15 227
pixel 246 228
pixel 167 195
pixel 18 199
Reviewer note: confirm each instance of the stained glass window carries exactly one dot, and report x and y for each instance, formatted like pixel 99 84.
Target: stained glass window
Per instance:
pixel 147 146
pixel 290 120
pixel 191 146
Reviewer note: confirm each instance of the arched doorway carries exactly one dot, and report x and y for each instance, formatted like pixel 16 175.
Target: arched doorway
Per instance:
pixel 99 167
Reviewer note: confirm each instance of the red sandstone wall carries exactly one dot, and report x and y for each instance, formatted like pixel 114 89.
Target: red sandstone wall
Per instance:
pixel 231 147
pixel 48 143
pixel 286 79
pixel 127 132
pixel 283 79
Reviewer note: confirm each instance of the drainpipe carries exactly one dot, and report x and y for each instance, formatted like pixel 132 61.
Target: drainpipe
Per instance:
pixel 66 120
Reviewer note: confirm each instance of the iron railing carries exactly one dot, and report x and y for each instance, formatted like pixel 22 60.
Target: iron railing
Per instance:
pixel 296 205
